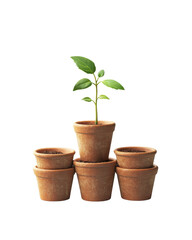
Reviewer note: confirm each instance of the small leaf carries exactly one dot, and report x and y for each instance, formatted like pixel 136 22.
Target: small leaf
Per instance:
pixel 82 84
pixel 101 73
pixel 103 97
pixel 87 99
pixel 113 84
pixel 84 64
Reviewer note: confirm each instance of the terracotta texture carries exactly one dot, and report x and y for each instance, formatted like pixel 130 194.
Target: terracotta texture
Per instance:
pixel 94 140
pixel 135 157
pixel 48 159
pixel 136 184
pixel 54 185
pixel 95 179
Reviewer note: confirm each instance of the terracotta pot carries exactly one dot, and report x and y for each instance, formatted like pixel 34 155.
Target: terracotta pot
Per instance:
pixel 54 185
pixel 136 184
pixel 94 140
pixel 95 179
pixel 54 158
pixel 135 157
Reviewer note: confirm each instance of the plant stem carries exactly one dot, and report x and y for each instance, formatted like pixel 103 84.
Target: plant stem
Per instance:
pixel 96 98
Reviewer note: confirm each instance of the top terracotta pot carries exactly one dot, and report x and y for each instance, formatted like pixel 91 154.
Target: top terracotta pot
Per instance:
pixel 135 157
pixel 94 140
pixel 54 158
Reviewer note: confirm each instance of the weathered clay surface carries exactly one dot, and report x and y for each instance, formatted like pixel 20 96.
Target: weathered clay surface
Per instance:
pixel 54 158
pixel 95 179
pixel 135 157
pixel 54 185
pixel 94 141
pixel 136 184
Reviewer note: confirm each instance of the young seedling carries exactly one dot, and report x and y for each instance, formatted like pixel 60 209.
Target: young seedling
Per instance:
pixel 88 66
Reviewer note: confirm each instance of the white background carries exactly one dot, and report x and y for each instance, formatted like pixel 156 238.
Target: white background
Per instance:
pixel 147 47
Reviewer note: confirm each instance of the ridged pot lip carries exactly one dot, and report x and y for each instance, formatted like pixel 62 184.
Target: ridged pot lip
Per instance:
pixel 89 127
pixel 66 152
pixel 136 172
pixel 91 123
pixel 41 170
pixel 94 165
pixel 147 150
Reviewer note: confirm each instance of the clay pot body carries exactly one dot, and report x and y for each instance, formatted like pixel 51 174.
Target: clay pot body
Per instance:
pixel 54 185
pixel 95 179
pixel 54 158
pixel 94 141
pixel 135 157
pixel 136 184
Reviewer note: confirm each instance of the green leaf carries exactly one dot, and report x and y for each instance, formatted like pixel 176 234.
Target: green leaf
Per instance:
pixel 87 99
pixel 82 84
pixel 113 84
pixel 103 97
pixel 84 64
pixel 101 73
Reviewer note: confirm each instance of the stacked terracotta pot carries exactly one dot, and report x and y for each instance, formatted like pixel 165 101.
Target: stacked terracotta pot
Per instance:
pixel 136 172
pixel 95 170
pixel 54 172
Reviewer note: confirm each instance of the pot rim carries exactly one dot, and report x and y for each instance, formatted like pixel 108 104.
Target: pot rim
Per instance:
pixel 42 170
pixel 136 172
pixel 86 123
pixel 111 161
pixel 39 154
pixel 147 150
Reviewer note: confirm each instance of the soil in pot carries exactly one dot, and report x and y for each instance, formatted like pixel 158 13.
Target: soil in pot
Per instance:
pixel 135 157
pixel 136 184
pixel 95 179
pixel 94 141
pixel 54 185
pixel 54 158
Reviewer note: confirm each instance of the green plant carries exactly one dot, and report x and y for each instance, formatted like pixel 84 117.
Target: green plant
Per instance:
pixel 88 66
